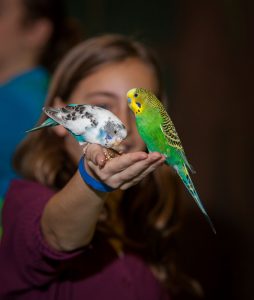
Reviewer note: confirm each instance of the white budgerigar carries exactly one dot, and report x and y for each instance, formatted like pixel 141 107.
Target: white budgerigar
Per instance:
pixel 87 123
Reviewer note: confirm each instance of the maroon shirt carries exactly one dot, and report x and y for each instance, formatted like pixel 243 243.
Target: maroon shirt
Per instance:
pixel 30 269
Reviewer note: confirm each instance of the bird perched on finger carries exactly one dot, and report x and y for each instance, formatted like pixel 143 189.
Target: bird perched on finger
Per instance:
pixel 87 123
pixel 159 134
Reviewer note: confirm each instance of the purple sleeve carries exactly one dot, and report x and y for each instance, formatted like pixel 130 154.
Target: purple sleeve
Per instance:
pixel 25 258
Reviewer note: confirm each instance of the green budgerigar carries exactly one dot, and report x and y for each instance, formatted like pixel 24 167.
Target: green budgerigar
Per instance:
pixel 158 132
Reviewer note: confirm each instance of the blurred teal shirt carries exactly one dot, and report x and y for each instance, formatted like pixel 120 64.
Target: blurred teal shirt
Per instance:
pixel 22 99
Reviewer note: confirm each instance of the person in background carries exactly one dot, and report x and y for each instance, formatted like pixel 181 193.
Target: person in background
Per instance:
pixel 63 238
pixel 34 34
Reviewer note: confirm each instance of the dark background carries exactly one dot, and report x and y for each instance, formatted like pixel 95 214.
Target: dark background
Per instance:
pixel 206 48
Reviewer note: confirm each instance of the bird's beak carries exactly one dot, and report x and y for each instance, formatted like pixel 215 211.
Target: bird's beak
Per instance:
pixel 118 147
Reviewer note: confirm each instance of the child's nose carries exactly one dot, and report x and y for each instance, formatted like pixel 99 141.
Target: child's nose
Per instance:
pixel 128 119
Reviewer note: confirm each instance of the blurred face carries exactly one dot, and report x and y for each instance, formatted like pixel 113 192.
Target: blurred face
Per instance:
pixel 11 30
pixel 107 87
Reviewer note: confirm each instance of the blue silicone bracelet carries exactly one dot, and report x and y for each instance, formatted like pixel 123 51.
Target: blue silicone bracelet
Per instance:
pixel 97 185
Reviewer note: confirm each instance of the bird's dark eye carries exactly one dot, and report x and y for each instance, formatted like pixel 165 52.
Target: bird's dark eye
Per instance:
pixel 135 95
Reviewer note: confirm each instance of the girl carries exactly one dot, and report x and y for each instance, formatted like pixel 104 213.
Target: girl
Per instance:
pixel 63 239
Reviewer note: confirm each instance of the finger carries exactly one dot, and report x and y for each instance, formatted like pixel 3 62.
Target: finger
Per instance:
pixel 142 175
pixel 138 172
pixel 127 168
pixel 94 153
pixel 120 163
pixel 116 165
pixel 109 154
pixel 134 169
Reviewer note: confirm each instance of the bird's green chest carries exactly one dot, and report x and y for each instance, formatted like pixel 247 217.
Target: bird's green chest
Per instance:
pixel 150 131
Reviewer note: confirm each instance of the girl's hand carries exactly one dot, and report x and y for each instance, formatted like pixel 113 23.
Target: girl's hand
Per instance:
pixel 121 171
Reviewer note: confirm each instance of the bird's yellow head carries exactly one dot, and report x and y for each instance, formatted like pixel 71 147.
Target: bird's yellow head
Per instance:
pixel 136 99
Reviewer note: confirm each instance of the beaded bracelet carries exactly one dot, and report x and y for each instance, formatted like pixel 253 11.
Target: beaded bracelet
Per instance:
pixel 97 185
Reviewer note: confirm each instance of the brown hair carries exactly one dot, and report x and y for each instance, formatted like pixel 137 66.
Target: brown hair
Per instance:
pixel 148 210
pixel 65 34
pixel 43 153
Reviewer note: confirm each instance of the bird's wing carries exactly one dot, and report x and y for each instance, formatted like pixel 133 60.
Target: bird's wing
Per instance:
pixel 168 129
pixel 78 119
pixel 64 114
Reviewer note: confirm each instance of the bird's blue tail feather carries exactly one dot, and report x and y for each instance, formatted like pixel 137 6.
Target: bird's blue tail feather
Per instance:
pixel 184 175
pixel 48 123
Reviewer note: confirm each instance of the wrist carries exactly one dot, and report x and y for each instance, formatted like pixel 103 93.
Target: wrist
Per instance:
pixel 91 181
